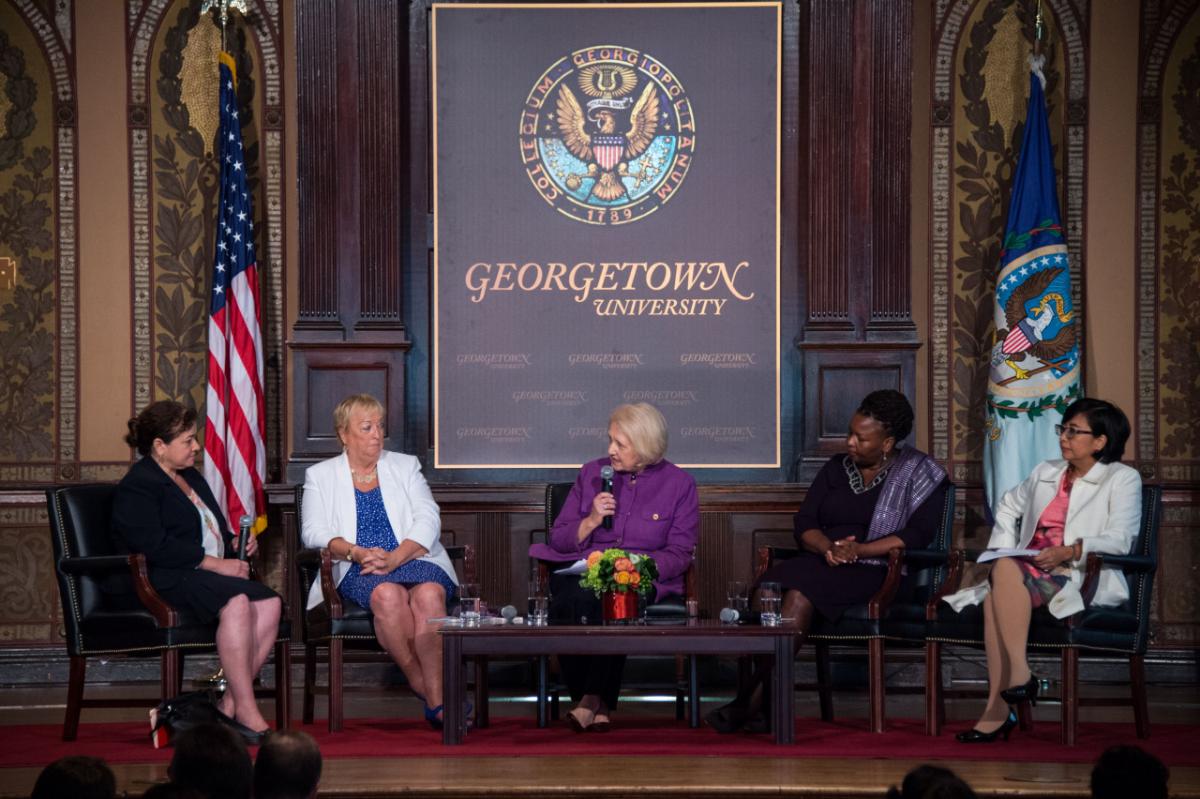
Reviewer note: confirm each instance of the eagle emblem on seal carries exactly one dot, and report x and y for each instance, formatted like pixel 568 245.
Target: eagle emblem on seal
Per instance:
pixel 1038 325
pixel 611 129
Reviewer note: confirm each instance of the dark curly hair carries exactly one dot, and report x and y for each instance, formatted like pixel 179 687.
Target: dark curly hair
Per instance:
pixel 164 419
pixel 891 409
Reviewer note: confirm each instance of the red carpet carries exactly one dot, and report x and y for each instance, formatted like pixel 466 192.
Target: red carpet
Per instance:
pixel 36 745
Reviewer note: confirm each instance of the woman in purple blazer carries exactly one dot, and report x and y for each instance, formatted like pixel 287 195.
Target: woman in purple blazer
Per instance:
pixel 655 511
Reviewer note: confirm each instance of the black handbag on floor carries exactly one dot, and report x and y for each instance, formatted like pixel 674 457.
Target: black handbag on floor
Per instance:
pixel 173 716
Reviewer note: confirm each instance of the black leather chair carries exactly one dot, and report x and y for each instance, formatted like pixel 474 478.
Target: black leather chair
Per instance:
pixel 84 555
pixel 338 625
pixel 673 611
pixel 896 613
pixel 1113 632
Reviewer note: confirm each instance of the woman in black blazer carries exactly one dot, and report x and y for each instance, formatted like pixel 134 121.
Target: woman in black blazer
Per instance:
pixel 165 510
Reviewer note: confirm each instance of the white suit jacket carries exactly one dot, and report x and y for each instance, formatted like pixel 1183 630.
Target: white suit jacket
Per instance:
pixel 329 511
pixel 1104 513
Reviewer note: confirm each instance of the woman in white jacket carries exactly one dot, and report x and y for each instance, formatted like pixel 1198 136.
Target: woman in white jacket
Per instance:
pixel 375 513
pixel 1086 502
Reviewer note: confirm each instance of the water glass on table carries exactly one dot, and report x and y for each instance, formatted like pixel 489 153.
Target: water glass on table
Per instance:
pixel 770 600
pixel 737 599
pixel 469 604
pixel 539 604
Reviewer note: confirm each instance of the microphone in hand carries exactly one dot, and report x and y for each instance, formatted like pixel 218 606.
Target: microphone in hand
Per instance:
pixel 244 524
pixel 606 485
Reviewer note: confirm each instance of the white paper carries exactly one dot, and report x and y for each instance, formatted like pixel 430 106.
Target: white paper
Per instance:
pixel 993 554
pixel 578 567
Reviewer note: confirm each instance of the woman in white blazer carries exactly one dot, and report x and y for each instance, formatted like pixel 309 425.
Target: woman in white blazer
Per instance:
pixel 1087 502
pixel 375 513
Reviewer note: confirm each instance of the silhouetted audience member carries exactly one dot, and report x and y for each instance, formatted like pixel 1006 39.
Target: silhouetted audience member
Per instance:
pixel 78 777
pixel 170 790
pixel 1124 771
pixel 288 766
pixel 931 782
pixel 212 759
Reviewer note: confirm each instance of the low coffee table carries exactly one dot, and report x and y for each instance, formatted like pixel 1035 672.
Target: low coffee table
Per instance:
pixel 696 638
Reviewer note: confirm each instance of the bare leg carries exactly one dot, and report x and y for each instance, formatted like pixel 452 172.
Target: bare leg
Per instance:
pixel 427 601
pixel 236 651
pixel 1007 612
pixel 394 629
pixel 266 614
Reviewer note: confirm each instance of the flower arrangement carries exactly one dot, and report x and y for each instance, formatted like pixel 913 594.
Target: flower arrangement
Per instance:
pixel 616 570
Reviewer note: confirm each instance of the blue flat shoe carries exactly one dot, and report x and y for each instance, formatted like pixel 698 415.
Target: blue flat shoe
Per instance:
pixel 431 715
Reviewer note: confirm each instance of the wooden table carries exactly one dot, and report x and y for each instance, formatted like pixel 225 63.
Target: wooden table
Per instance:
pixel 695 638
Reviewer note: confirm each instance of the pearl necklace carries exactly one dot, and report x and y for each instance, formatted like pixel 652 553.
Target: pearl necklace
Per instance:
pixel 369 477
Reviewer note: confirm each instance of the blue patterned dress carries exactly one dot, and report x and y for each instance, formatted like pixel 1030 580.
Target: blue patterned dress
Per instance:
pixel 374 530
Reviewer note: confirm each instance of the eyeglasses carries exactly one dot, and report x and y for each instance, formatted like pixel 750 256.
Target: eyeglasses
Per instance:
pixel 1070 432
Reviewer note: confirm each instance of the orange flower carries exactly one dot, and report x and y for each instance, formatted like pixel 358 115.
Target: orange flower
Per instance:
pixel 623 565
pixel 635 578
pixel 622 578
pixel 594 558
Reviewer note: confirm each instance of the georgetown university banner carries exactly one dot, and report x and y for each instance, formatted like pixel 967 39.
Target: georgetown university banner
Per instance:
pixel 606 214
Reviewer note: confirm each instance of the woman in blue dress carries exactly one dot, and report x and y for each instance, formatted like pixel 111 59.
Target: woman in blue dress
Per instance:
pixel 375 513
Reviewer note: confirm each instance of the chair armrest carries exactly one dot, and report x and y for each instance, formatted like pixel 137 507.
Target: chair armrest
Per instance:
pixel 767 555
pixel 1129 563
pixel 954 570
pixel 879 603
pixel 689 581
pixel 328 589
pixel 923 558
pixel 164 615
pixel 97 564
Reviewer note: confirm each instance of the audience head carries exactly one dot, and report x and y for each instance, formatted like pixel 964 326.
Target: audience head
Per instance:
pixel 170 790
pixel 1124 771
pixel 1108 425
pixel 931 782
pixel 644 427
pixel 891 409
pixel 212 759
pixel 165 420
pixel 288 766
pixel 78 777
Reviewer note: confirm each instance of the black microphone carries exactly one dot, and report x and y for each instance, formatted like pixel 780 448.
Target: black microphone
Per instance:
pixel 243 534
pixel 509 613
pixel 606 476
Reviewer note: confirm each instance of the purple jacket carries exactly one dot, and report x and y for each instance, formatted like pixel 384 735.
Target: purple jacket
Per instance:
pixel 658 514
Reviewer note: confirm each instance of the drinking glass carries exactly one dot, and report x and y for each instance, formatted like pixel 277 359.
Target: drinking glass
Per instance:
pixel 769 600
pixel 469 604
pixel 538 610
pixel 737 598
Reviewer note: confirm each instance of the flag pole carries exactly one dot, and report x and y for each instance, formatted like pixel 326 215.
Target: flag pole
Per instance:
pixel 1039 30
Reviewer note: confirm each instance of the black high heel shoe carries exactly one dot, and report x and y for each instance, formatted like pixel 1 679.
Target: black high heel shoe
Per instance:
pixel 1026 692
pixel 974 736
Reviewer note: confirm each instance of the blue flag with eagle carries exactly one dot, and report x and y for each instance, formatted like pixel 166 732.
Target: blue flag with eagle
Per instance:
pixel 1034 369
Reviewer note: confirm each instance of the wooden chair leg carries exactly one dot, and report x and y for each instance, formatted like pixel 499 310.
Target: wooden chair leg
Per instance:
pixel 1024 717
pixel 680 686
pixel 74 697
pixel 310 680
pixel 336 708
pixel 824 681
pixel 693 692
pixel 875 656
pixel 283 685
pixel 1070 694
pixel 171 683
pixel 1137 683
pixel 934 707
pixel 177 689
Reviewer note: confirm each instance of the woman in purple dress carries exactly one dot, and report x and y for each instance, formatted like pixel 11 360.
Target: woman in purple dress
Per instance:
pixel 875 498
pixel 654 510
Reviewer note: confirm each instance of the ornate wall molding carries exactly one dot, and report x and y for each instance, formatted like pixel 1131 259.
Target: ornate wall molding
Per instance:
pixel 43 431
pixel 1168 312
pixel 972 156
pixel 173 180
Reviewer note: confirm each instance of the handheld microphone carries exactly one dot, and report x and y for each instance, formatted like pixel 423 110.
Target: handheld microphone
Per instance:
pixel 509 613
pixel 606 477
pixel 244 534
pixel 729 616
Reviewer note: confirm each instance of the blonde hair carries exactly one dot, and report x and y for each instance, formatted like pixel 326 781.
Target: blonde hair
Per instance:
pixel 646 428
pixel 355 402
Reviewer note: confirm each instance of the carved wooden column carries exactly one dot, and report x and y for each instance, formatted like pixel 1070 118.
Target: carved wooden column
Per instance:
pixel 349 334
pixel 858 334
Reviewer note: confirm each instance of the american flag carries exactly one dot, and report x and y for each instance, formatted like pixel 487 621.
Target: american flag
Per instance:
pixel 235 454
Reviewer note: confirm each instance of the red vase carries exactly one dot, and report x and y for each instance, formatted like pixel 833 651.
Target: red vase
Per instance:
pixel 619 608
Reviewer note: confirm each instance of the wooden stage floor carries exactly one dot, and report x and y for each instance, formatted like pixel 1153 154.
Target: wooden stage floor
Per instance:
pixel 549 776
